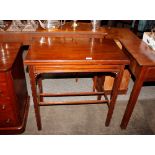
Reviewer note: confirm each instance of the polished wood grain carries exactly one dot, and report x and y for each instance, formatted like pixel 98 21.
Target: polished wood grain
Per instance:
pixel 14 100
pixel 8 53
pixel 75 51
pixel 75 55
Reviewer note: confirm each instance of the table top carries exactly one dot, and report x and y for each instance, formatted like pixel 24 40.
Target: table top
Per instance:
pixel 137 48
pixel 8 53
pixel 75 50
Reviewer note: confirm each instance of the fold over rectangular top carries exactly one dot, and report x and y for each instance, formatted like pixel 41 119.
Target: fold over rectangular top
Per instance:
pixel 75 51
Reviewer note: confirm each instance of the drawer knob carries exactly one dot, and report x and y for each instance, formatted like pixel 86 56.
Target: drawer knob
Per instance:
pixel 3 107
pixel 8 120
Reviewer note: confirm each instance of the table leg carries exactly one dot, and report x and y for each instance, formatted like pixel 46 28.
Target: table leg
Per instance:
pixel 133 97
pixel 99 85
pixel 34 95
pixel 114 94
pixel 40 85
pixel 94 83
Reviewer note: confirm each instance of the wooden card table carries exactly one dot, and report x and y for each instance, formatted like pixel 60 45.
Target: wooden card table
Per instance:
pixel 74 55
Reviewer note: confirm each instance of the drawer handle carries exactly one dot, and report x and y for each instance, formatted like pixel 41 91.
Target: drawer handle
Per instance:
pixel 8 120
pixel 3 107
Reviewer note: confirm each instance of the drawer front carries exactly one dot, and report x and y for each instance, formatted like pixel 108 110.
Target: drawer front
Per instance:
pixel 7 121
pixel 2 77
pixel 5 105
pixel 6 114
pixel 3 90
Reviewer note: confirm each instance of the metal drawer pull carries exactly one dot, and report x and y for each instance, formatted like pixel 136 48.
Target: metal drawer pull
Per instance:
pixel 8 120
pixel 3 107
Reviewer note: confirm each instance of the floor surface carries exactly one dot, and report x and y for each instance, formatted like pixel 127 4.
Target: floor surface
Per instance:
pixel 90 119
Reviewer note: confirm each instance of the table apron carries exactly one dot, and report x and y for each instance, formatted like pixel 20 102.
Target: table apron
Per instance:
pixel 76 68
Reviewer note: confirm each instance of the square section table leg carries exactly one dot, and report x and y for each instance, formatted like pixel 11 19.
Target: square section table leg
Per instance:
pixel 34 95
pixel 99 82
pixel 40 86
pixel 133 97
pixel 114 94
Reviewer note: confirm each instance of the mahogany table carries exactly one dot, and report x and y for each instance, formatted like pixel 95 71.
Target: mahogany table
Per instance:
pixel 142 65
pixel 74 55
pixel 142 58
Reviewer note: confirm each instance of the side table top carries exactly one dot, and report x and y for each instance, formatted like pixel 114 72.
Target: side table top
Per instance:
pixel 75 50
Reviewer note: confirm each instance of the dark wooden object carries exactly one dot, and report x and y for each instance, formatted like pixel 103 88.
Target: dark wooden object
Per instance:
pixel 142 57
pixel 79 55
pixel 142 65
pixel 14 100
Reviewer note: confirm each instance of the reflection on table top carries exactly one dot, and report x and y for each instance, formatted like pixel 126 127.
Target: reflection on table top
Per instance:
pixel 8 52
pixel 84 50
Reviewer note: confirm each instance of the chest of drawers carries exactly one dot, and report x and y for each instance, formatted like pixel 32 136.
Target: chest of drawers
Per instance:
pixel 14 100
